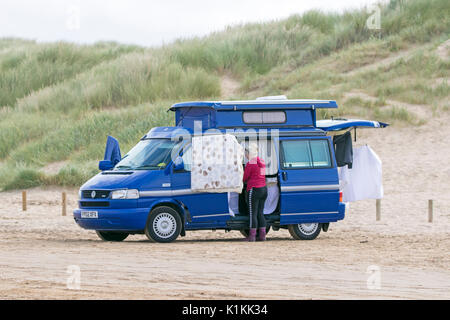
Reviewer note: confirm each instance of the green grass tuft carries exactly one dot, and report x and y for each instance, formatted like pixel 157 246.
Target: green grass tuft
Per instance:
pixel 59 101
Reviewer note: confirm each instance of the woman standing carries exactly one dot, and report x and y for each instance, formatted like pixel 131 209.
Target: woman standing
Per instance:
pixel 255 177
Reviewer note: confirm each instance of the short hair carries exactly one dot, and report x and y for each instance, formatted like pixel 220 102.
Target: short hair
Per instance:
pixel 253 148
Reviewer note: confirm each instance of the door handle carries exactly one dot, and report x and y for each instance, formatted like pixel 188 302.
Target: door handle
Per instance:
pixel 284 175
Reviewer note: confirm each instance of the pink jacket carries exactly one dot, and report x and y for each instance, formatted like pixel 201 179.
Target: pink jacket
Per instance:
pixel 255 173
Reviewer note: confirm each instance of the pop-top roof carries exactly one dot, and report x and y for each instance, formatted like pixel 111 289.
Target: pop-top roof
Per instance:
pixel 258 104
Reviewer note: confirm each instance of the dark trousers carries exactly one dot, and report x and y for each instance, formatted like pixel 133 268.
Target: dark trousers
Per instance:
pixel 255 200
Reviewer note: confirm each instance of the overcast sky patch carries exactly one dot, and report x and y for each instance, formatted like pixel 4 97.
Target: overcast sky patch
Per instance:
pixel 147 23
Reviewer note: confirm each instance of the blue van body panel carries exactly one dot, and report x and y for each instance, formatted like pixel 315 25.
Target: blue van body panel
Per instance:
pixel 306 195
pixel 294 118
pixel 312 218
pixel 125 219
pixel 229 114
pixel 179 132
pixel 256 104
pixel 309 193
pixel 110 180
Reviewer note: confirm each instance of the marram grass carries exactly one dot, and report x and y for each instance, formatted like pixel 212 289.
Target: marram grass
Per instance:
pixel 59 101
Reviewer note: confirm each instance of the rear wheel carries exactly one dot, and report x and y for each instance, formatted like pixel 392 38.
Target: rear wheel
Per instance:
pixel 163 225
pixel 244 232
pixel 304 231
pixel 112 236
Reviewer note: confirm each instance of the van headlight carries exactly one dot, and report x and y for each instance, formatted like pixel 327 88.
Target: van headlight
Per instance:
pixel 125 194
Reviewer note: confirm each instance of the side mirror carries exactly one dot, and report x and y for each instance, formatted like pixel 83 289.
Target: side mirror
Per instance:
pixel 178 164
pixel 105 165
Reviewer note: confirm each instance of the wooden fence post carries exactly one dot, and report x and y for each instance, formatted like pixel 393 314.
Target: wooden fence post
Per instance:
pixel 24 200
pixel 430 210
pixel 64 203
pixel 378 206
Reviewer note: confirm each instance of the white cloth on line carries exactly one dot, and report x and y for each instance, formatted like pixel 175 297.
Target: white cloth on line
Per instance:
pixel 273 195
pixel 217 164
pixel 364 180
pixel 233 203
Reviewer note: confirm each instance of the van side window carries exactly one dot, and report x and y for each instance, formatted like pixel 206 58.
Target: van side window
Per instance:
pixel 320 153
pixel 304 154
pixel 261 117
pixel 296 154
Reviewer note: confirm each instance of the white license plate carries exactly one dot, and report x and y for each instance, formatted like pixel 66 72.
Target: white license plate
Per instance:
pixel 89 214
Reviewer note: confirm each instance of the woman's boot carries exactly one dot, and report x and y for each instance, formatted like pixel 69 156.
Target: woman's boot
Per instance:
pixel 262 234
pixel 251 235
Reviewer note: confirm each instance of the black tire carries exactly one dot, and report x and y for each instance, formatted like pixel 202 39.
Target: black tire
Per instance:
pixel 163 225
pixel 244 232
pixel 111 235
pixel 305 231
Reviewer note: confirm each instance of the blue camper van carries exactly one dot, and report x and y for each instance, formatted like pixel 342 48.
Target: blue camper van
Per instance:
pixel 148 191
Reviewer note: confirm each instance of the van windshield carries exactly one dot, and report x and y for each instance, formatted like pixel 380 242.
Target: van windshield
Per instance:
pixel 151 154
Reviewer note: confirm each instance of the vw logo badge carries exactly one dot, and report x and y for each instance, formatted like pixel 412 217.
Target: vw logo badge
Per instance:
pixel 93 194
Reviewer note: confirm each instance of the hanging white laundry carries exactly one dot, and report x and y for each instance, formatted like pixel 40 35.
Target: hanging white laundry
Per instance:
pixel 364 180
pixel 273 195
pixel 217 164
pixel 271 203
pixel 233 203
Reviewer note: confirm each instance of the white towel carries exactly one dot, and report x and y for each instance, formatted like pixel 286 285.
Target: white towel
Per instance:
pixel 364 180
pixel 217 164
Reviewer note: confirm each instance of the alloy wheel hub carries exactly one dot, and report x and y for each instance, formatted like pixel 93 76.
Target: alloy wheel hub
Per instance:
pixel 308 228
pixel 164 225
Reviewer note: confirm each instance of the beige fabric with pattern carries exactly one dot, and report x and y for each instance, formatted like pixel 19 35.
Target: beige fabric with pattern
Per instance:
pixel 217 164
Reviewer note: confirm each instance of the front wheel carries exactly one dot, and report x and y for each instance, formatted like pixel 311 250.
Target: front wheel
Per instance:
pixel 304 231
pixel 163 225
pixel 112 236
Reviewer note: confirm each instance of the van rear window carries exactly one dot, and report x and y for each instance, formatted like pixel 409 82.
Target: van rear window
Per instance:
pixel 305 154
pixel 264 117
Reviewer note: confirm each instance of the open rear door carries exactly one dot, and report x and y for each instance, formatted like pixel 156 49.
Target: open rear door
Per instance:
pixel 345 124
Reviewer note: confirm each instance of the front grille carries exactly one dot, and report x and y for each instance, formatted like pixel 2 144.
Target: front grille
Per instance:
pixel 94 204
pixel 95 194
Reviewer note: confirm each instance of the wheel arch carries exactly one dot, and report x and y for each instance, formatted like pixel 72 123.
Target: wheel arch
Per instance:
pixel 298 234
pixel 177 206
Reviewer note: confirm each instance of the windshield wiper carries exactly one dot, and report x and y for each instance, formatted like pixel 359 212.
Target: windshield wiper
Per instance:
pixel 124 167
pixel 148 167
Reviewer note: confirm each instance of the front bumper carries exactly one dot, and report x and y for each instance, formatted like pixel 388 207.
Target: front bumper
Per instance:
pixel 130 219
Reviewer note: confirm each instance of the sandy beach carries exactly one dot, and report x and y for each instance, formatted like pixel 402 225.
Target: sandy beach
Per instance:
pixel 412 255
